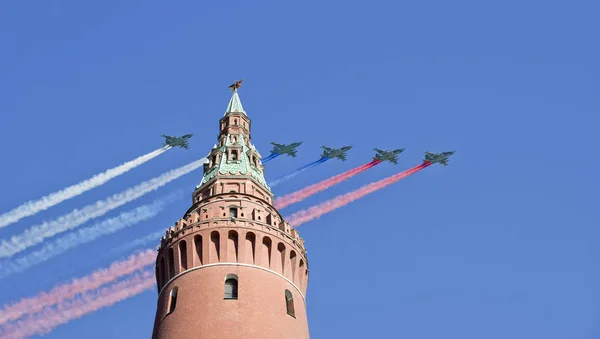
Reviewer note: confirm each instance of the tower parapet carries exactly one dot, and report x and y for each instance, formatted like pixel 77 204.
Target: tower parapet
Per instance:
pixel 232 267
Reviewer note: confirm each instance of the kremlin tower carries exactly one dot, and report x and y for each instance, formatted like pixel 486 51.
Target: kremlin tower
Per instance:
pixel 232 267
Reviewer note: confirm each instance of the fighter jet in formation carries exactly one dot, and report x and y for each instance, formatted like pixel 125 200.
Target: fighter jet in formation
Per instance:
pixel 281 149
pixel 442 158
pixel 391 156
pixel 331 153
pixel 177 141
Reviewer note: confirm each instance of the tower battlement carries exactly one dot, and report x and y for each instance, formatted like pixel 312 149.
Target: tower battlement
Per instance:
pixel 232 267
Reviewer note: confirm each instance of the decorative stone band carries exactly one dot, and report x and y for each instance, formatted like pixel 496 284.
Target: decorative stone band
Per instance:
pixel 232 264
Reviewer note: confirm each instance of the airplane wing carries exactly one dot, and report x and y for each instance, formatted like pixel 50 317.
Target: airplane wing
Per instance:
pixel 276 144
pixel 379 150
pixel 343 157
pixel 444 162
pixel 394 161
pixel 430 154
pixel 326 148
pixel 293 154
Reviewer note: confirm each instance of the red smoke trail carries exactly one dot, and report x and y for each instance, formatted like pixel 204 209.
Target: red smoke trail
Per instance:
pixel 314 212
pixel 306 192
pixel 65 291
pixel 49 318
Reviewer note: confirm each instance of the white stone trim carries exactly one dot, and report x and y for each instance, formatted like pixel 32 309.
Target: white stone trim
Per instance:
pixel 233 264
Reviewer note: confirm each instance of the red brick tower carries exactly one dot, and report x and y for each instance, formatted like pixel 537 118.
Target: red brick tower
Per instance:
pixel 232 267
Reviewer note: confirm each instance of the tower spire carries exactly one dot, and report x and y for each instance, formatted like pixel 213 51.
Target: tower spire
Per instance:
pixel 235 105
pixel 214 263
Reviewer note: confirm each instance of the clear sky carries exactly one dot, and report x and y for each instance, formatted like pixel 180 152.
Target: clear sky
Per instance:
pixel 503 243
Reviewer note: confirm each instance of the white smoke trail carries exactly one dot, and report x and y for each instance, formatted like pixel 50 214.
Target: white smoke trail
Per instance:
pixel 88 234
pixel 36 234
pixel 34 206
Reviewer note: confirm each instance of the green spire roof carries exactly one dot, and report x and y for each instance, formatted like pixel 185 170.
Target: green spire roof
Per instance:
pixel 242 166
pixel 235 105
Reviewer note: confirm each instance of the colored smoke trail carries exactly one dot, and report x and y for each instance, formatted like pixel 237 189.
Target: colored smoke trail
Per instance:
pixel 314 212
pixel 152 237
pixel 86 235
pixel 45 321
pixel 32 207
pixel 36 234
pixel 304 193
pixel 296 172
pixel 66 291
pixel 269 158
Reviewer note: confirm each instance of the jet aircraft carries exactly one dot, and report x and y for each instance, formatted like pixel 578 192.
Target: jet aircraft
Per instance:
pixel 331 153
pixel 177 141
pixel 391 156
pixel 281 149
pixel 442 158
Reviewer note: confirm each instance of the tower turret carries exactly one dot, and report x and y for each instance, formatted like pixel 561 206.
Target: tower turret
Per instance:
pixel 232 267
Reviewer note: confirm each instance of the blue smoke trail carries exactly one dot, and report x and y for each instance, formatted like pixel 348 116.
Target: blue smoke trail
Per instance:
pixel 270 157
pixel 130 246
pixel 86 235
pixel 296 172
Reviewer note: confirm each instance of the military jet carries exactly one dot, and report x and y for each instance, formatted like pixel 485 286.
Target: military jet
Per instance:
pixel 281 149
pixel 177 141
pixel 391 156
pixel 331 153
pixel 442 158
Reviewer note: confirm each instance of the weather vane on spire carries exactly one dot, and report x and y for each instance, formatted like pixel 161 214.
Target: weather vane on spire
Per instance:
pixel 236 85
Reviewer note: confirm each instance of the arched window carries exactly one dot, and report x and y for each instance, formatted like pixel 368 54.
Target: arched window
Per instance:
pixel 231 286
pixel 163 271
pixel 289 303
pixel 183 255
pixel 171 263
pixel 172 300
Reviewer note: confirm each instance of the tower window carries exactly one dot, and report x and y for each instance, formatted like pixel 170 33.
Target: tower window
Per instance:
pixel 235 122
pixel 172 300
pixel 232 212
pixel 289 303
pixel 234 154
pixel 231 287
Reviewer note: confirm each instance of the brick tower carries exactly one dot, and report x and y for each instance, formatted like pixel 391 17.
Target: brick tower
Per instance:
pixel 232 267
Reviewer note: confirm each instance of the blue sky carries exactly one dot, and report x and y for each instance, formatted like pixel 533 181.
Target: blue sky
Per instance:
pixel 503 243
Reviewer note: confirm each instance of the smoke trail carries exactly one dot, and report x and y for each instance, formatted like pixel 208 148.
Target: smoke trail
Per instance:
pixel 314 212
pixel 50 318
pixel 65 291
pixel 298 171
pixel 306 192
pixel 270 157
pixel 38 233
pixel 109 226
pixel 32 207
pixel 152 237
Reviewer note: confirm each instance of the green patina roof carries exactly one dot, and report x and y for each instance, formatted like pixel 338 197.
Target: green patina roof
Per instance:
pixel 242 166
pixel 235 105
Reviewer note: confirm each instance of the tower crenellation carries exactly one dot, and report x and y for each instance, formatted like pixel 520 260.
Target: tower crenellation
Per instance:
pixel 232 267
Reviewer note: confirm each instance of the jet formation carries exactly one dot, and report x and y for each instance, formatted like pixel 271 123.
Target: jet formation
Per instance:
pixel 391 156
pixel 281 149
pixel 331 153
pixel 177 141
pixel 441 158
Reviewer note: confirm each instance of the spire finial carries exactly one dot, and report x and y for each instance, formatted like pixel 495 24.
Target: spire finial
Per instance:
pixel 235 105
pixel 236 85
